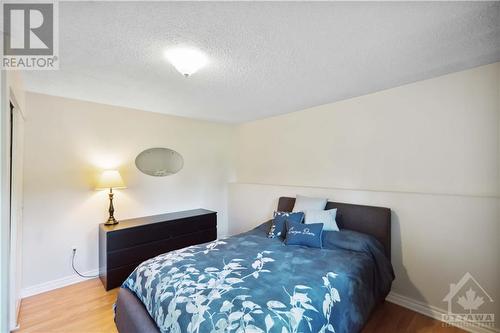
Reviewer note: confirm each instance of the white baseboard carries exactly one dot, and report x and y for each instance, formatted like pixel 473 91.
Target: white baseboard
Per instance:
pixel 55 284
pixel 18 310
pixel 434 312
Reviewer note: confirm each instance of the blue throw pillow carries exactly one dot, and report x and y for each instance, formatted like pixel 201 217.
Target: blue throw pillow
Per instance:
pixel 278 227
pixel 304 234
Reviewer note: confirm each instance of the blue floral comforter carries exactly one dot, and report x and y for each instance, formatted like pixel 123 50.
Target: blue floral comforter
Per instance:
pixel 250 283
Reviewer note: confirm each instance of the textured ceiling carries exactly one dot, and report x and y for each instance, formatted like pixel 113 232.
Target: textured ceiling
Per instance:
pixel 266 58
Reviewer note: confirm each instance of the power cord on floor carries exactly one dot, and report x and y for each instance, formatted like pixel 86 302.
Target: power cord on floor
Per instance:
pixel 76 271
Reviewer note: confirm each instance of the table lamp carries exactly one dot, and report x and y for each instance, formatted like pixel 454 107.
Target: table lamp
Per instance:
pixel 110 179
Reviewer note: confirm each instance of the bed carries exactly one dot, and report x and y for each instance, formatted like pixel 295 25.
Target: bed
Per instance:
pixel 251 283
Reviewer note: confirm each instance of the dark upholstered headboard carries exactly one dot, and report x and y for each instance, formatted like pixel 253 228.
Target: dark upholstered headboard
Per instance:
pixel 374 221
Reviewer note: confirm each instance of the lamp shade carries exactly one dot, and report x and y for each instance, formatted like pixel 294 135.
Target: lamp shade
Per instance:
pixel 110 179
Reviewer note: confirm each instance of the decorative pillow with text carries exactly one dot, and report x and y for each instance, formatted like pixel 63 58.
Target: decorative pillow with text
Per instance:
pixel 304 234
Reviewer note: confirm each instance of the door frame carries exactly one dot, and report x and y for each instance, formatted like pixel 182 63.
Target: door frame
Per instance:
pixel 16 128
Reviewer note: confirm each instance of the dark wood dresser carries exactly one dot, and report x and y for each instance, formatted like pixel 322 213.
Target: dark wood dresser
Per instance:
pixel 122 247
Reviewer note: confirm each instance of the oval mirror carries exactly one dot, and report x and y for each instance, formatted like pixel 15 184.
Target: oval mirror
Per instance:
pixel 159 162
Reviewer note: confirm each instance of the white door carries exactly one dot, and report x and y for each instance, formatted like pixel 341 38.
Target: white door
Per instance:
pixel 16 213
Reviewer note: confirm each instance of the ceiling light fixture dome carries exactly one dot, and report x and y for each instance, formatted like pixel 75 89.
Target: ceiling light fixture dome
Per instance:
pixel 186 60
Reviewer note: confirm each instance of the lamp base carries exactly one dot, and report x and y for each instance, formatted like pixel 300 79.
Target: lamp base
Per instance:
pixel 111 221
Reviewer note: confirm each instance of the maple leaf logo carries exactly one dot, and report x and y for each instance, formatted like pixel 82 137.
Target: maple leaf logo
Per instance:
pixel 470 301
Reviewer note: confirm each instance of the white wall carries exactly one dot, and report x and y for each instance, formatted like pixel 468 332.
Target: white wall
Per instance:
pixel 68 142
pixel 433 136
pixel 428 150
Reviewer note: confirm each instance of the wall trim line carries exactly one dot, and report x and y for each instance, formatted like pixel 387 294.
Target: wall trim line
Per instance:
pixel 56 284
pixel 443 194
pixel 434 312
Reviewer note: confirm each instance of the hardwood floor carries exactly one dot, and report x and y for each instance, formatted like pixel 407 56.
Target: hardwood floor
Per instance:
pixel 82 307
pixel 87 308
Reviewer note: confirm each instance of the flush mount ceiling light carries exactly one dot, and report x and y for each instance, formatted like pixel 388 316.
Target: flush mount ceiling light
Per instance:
pixel 186 60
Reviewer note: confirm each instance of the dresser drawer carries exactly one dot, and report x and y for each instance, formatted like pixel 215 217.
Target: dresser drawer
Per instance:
pixel 122 247
pixel 159 231
pixel 146 251
pixel 115 277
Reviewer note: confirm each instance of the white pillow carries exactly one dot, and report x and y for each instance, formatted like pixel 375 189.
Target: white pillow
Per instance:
pixel 307 203
pixel 327 217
